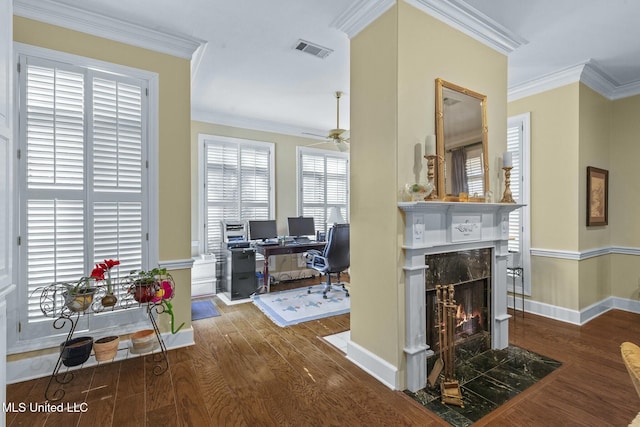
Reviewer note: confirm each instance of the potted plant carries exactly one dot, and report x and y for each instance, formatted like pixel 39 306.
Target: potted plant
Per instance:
pixel 98 273
pixel 78 296
pixel 145 284
pixel 156 287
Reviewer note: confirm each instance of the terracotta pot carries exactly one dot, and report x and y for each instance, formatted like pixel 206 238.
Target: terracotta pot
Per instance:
pixel 76 351
pixel 144 341
pixel 106 348
pixel 144 292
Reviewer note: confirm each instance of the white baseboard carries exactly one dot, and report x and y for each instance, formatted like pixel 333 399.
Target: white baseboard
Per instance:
pixel 378 368
pixel 577 317
pixel 43 365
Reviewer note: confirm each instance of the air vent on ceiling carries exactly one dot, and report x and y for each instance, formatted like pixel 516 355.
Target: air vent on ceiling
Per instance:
pixel 312 49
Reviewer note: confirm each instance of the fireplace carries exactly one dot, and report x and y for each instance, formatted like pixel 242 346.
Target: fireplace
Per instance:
pixel 454 243
pixel 470 273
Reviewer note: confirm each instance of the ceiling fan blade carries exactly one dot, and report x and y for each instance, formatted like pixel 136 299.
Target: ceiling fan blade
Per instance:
pixel 342 146
pixel 318 143
pixel 314 134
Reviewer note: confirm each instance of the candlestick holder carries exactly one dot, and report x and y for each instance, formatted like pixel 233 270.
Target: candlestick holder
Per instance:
pixel 431 160
pixel 507 197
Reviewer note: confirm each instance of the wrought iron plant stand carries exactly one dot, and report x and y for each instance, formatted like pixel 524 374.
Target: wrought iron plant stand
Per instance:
pixel 52 304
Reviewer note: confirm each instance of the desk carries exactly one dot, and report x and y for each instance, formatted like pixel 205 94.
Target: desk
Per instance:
pixel 290 248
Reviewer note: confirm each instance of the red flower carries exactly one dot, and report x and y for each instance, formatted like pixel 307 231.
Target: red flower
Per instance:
pixel 109 264
pixel 98 273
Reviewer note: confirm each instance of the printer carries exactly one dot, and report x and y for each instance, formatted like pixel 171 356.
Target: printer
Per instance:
pixel 234 234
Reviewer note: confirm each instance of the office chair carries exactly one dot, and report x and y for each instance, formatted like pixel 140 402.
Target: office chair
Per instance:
pixel 333 259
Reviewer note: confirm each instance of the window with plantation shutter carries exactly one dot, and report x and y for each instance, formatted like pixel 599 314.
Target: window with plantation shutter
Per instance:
pixel 518 143
pixel 83 134
pixel 239 180
pixel 323 183
pixel 514 142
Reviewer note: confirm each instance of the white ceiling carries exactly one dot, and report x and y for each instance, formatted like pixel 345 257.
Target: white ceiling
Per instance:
pixel 248 74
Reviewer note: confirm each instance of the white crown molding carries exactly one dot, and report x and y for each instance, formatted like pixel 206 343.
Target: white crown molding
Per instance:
pixel 597 79
pixel 257 124
pixel 588 72
pixel 360 14
pixel 472 22
pixel 626 90
pixel 74 18
pixel 455 13
pixel 546 82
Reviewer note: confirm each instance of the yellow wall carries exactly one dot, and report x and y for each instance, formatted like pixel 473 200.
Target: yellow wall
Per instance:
pixel 173 134
pixel 624 196
pixel 374 214
pixel 595 137
pixel 394 64
pixel 624 184
pixel 554 197
pixel 554 194
pixel 573 127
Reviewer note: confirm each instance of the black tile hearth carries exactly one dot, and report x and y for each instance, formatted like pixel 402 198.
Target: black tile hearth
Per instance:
pixel 488 378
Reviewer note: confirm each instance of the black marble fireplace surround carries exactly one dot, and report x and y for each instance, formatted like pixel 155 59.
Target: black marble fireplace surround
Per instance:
pixel 470 273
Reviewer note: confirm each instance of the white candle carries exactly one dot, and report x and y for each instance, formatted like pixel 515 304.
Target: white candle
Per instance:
pixel 430 146
pixel 507 160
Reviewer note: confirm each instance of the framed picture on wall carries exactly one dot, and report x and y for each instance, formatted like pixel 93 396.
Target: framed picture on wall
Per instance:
pixel 597 196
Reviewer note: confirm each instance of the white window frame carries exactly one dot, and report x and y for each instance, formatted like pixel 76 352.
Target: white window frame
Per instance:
pixel 202 179
pixel 524 120
pixel 300 151
pixel 127 320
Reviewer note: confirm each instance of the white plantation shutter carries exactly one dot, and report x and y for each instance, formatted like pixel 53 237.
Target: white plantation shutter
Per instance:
pixel 118 152
pixel 475 174
pixel 514 144
pixel 239 181
pixel 117 136
pixel 84 136
pixel 54 246
pixel 323 183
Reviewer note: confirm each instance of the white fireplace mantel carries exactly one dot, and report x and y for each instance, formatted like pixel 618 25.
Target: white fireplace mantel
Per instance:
pixel 439 227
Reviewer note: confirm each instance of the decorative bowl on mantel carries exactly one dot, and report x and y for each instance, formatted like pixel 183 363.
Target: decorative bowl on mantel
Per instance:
pixel 418 192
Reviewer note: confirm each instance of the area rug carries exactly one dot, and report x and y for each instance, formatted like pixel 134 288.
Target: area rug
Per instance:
pixel 487 380
pixel 203 310
pixel 294 306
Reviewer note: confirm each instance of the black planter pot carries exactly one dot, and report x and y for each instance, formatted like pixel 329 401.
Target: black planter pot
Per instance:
pixel 76 351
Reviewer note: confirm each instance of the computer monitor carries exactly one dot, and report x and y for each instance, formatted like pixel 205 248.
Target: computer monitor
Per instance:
pixel 263 229
pixel 301 226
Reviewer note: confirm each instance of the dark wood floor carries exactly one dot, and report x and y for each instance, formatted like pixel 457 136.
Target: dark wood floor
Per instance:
pixel 245 371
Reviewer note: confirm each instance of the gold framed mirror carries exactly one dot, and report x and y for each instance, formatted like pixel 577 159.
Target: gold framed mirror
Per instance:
pixel 461 142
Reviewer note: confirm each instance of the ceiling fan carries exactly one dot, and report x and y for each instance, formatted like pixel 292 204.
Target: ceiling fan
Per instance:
pixel 340 137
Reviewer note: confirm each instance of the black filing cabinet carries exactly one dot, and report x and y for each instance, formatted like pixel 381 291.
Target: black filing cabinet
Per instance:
pixel 240 273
